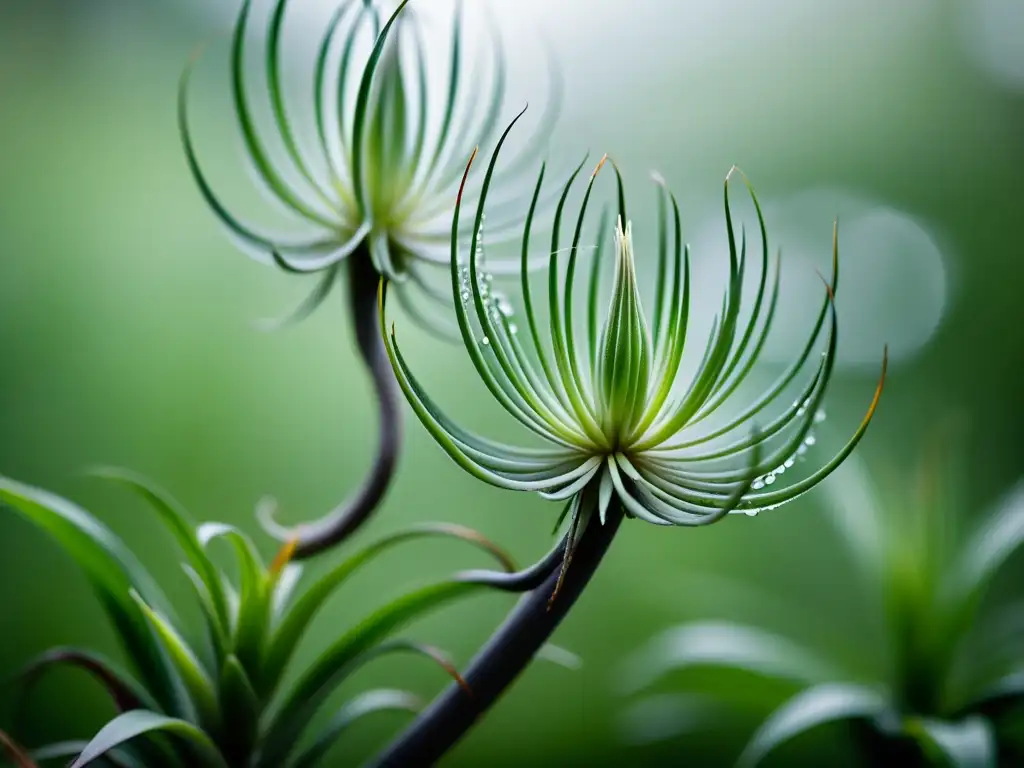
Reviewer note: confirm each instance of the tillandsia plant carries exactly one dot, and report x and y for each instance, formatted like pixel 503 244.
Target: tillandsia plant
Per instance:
pixel 623 435
pixel 221 700
pixel 376 194
pixel 950 689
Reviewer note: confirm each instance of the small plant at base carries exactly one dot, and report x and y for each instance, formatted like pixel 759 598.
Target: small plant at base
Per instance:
pixel 223 702
pixel 951 691
pixel 620 438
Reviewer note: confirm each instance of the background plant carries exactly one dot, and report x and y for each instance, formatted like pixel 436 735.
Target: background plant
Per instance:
pixel 948 690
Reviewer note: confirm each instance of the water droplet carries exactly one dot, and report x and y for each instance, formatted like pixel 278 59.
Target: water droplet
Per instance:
pixel 513 329
pixel 790 462
pixel 801 450
pixel 819 416
pixel 505 306
pixel 769 478
pixel 488 278
pixel 810 440
pixel 485 341
pixel 465 296
pixel 780 470
pixel 758 484
pixel 751 513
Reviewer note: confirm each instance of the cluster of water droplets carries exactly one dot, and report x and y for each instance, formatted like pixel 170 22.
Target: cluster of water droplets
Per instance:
pixel 800 455
pixel 496 303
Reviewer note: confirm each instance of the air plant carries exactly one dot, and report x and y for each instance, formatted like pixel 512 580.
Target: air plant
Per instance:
pixel 622 435
pixel 376 194
pixel 221 700
pixel 950 686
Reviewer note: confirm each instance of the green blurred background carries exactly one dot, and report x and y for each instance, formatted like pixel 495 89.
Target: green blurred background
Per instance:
pixel 127 319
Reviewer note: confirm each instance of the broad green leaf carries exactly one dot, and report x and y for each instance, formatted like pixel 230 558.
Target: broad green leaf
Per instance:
pixel 131 725
pixel 723 644
pixel 986 551
pixel 113 572
pixel 368 703
pixel 665 716
pixel 815 706
pixel 967 744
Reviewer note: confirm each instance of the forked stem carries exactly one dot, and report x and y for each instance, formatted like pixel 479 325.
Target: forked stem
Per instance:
pixel 513 645
pixel 342 521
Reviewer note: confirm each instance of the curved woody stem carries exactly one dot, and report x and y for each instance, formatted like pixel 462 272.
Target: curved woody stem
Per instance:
pixel 341 522
pixel 506 654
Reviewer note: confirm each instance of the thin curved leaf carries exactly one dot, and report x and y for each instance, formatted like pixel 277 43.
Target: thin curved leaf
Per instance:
pixel 813 707
pixel 125 692
pixel 252 611
pixel 195 679
pixel 140 722
pixel 332 666
pixel 113 572
pixel 181 527
pixel 295 622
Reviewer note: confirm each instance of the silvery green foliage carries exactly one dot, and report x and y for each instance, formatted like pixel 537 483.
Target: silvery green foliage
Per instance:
pixel 949 688
pixel 602 392
pixel 388 149
pixel 227 693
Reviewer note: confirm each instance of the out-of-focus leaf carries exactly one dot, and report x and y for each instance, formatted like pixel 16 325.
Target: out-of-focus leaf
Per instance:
pixel 856 509
pixel 998 537
pixel 723 644
pixel 556 654
pixel 665 716
pixel 65 750
pixel 113 572
pixel 810 708
pixel 967 744
pixel 1007 689
pixel 140 722
pixel 368 703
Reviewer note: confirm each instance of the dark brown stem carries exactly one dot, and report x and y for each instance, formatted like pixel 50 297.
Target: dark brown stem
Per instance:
pixel 505 655
pixel 342 521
